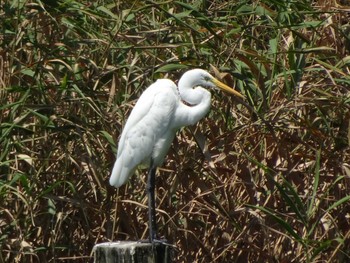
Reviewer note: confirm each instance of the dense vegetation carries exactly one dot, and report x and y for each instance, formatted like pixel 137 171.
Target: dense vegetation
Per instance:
pixel 260 180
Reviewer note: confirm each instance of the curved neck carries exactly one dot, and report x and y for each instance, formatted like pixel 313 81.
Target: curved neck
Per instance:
pixel 197 102
pixel 187 91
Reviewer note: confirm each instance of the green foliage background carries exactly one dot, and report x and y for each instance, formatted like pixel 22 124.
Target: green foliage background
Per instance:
pixel 260 180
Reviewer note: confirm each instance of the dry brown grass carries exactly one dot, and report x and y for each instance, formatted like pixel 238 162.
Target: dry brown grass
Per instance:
pixel 265 180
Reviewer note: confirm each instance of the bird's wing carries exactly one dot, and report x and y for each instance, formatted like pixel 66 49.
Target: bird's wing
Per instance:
pixel 148 122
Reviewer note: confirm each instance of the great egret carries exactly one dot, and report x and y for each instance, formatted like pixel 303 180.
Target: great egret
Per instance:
pixel 160 111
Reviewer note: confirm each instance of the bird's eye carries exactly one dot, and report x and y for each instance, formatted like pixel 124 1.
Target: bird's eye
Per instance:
pixel 206 78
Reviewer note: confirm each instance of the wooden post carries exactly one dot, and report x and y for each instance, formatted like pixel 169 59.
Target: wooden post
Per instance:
pixel 132 252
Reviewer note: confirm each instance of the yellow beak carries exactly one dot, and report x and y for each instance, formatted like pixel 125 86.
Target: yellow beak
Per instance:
pixel 226 88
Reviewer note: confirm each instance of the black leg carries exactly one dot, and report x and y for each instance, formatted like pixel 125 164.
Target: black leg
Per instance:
pixel 151 203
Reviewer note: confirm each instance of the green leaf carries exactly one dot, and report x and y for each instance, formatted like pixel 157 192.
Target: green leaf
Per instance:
pixel 170 67
pixel 291 197
pixel 110 140
pixel 316 184
pixel 107 11
pixel 339 202
pixel 285 225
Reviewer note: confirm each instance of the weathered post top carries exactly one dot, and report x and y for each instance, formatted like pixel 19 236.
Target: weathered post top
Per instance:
pixel 132 252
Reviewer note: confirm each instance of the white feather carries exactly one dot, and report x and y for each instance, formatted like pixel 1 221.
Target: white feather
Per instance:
pixel 157 115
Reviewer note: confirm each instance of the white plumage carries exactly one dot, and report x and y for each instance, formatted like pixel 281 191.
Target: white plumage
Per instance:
pixel 157 115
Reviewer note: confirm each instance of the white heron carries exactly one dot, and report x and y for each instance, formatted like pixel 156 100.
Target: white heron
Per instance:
pixel 149 131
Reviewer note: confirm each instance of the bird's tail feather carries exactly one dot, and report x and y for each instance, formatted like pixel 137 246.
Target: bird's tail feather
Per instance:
pixel 120 174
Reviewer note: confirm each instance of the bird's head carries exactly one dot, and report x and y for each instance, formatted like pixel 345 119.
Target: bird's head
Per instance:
pixel 200 77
